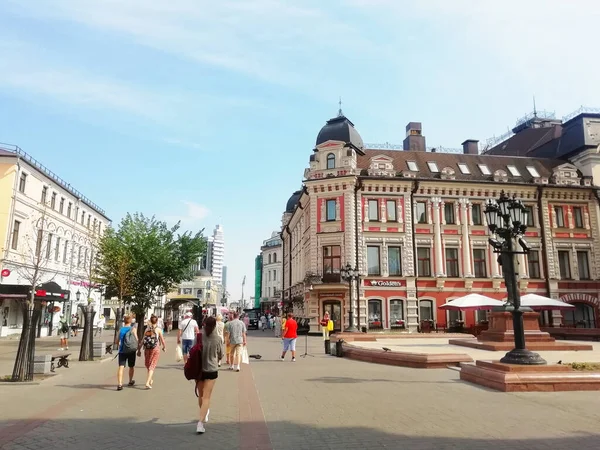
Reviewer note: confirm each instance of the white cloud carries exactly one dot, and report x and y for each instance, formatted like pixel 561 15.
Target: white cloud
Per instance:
pixel 191 215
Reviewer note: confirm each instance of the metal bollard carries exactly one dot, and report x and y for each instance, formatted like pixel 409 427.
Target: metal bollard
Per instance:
pixel 338 348
pixel 327 347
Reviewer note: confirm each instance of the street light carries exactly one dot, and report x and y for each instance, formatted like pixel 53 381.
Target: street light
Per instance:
pixel 77 295
pixel 507 219
pixel 350 274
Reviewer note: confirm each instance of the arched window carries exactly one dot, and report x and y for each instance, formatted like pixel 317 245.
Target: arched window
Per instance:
pixel 274 257
pixel 331 161
pixel 375 315
pixel 582 316
pixel 269 258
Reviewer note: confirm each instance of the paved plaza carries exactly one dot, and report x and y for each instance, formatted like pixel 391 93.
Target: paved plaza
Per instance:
pixel 319 402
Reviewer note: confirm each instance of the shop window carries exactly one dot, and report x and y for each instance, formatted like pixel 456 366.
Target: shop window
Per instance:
pixel 426 310
pixel 582 316
pixel 375 315
pixel 397 314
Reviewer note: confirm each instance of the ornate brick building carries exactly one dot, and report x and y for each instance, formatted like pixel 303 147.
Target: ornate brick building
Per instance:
pixel 412 221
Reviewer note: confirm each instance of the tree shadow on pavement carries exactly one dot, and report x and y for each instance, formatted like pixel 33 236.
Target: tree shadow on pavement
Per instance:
pixel 91 434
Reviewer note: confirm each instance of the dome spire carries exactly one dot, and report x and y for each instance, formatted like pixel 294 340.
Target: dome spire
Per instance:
pixel 340 113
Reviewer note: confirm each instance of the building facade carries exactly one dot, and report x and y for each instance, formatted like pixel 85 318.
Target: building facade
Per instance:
pixel 48 233
pixel 272 271
pixel 412 221
pixel 257 279
pixel 217 254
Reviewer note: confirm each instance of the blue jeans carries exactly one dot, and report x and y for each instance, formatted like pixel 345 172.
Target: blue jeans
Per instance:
pixel 186 346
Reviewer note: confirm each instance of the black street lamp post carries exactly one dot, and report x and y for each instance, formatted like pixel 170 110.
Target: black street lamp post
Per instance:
pixel 350 274
pixel 507 219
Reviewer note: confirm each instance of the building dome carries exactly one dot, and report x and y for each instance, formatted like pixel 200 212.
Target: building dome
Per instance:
pixel 340 128
pixel 293 201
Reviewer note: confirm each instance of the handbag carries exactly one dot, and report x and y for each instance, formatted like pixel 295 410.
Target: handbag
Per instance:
pixel 245 357
pixel 330 325
pixel 178 353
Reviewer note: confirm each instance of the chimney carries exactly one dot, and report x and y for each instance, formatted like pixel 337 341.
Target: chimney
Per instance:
pixel 414 140
pixel 471 147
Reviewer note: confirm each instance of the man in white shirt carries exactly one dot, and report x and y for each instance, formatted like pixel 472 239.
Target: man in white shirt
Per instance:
pixel 100 326
pixel 188 329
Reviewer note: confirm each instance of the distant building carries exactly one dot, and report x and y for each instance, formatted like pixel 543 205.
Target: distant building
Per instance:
pixel 271 271
pixel 224 278
pixel 217 254
pixel 257 280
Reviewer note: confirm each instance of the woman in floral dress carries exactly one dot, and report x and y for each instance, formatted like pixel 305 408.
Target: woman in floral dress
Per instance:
pixel 153 337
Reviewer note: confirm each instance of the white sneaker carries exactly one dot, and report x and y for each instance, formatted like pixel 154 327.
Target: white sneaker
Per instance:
pixel 293 359
pixel 231 367
pixel 282 358
pixel 200 428
pixel 61 349
pixel 206 418
pixel 67 348
pixel 237 368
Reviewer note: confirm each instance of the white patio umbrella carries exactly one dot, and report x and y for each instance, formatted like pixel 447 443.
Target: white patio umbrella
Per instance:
pixel 539 302
pixel 471 302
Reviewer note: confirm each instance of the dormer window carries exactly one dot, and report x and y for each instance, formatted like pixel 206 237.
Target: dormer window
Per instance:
pixel 464 168
pixel 412 166
pixel 331 161
pixel 533 171
pixel 485 170
pixel 433 167
pixel 514 171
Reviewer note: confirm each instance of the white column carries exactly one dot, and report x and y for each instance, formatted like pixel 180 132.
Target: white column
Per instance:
pixel 521 270
pixel 466 245
pixel 437 238
pixel 494 261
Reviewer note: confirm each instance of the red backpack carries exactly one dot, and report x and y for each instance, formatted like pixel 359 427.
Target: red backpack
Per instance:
pixel 193 367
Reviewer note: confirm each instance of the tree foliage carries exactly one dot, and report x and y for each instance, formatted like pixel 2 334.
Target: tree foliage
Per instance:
pixel 144 258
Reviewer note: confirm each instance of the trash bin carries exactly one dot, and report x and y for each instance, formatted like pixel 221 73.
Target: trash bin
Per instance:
pixel 338 349
pixel 327 347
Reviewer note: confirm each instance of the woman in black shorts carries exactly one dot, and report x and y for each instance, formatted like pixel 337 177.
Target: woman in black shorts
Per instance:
pixel 212 353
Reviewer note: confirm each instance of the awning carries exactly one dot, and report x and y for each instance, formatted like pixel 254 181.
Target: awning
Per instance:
pixel 52 292
pixel 177 300
pixel 539 302
pixel 16 291
pixel 472 302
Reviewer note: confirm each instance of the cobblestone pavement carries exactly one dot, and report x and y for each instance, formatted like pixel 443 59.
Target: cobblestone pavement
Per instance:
pixel 318 402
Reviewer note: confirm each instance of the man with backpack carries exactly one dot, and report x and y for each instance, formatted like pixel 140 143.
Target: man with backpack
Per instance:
pixel 128 346
pixel 63 330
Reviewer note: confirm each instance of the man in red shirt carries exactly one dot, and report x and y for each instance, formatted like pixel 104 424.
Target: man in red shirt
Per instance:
pixel 290 333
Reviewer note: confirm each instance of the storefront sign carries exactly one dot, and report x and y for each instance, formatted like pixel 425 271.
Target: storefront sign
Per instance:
pixel 383 283
pixel 332 294
pixel 5 272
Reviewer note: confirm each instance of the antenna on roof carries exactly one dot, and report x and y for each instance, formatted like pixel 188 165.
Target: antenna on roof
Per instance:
pixel 534 108
pixel 340 113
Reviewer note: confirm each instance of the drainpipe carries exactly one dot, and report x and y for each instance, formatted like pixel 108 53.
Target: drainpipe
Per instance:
pixel 544 248
pixel 414 245
pixel 358 186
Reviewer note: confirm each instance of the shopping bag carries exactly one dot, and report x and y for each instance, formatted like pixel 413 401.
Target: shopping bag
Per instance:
pixel 330 325
pixel 245 358
pixel 178 353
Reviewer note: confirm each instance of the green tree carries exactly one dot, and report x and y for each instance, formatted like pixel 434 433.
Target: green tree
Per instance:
pixel 155 258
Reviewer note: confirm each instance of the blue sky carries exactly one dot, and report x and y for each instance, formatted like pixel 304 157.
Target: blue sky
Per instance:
pixel 207 112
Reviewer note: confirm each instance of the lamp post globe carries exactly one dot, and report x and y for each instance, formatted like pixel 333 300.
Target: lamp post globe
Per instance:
pixel 507 221
pixel 78 295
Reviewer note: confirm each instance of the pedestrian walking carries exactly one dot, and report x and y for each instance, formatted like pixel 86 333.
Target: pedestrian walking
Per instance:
pixel 236 334
pixel 277 326
pixel 212 353
pixel 188 329
pixel 326 327
pixel 220 330
pixel 100 326
pixel 74 324
pixel 127 351
pixel 153 337
pixel 263 322
pixel 290 334
pixel 63 330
